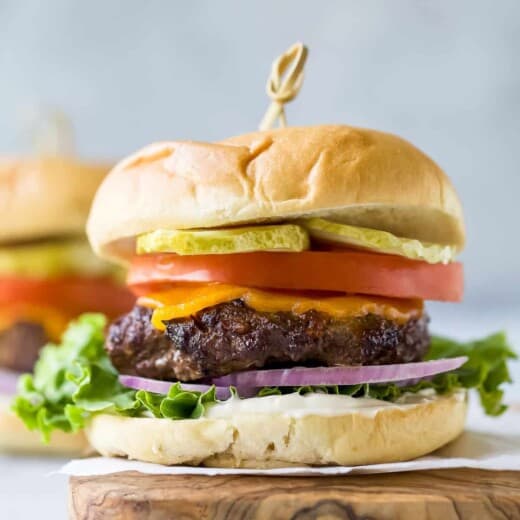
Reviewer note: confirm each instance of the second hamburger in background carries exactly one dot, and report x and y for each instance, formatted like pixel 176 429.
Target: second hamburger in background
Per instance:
pixel 48 274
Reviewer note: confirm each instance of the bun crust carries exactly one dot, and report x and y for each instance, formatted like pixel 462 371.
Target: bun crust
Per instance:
pixel 15 438
pixel 45 196
pixel 352 175
pixel 268 440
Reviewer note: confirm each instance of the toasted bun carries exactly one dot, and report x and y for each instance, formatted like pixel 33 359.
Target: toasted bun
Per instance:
pixel 352 175
pixel 15 438
pixel 45 196
pixel 393 433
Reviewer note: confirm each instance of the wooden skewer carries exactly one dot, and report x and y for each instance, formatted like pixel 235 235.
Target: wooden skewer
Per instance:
pixel 284 83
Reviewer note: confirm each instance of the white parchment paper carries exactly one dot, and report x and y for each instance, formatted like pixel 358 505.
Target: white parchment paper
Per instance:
pixel 487 443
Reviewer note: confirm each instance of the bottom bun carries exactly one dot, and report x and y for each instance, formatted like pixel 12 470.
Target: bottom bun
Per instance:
pixel 16 438
pixel 389 433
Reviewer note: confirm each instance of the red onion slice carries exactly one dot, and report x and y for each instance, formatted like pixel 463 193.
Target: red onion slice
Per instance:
pixel 8 381
pixel 351 375
pixel 162 387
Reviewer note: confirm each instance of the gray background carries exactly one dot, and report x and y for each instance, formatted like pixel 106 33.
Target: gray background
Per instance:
pixel 443 74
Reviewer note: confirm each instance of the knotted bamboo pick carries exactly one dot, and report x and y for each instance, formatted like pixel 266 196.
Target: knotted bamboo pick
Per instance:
pixel 282 89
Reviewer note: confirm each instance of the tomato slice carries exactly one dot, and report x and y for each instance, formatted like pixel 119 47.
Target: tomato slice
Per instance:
pixel 72 294
pixel 351 272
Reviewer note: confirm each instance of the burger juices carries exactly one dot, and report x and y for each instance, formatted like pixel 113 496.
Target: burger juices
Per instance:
pixel 281 279
pixel 48 274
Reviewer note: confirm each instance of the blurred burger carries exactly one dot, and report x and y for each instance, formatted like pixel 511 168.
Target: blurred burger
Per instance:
pixel 48 274
pixel 281 278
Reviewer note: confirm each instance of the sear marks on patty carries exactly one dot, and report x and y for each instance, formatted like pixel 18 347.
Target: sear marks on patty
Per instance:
pixel 20 345
pixel 232 336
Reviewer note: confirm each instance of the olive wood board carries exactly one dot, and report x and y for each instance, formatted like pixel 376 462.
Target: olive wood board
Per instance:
pixel 447 494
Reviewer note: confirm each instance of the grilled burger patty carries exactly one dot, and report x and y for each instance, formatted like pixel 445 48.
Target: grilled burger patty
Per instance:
pixel 232 336
pixel 20 345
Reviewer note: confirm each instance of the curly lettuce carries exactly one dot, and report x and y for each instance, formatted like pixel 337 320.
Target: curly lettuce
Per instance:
pixel 74 380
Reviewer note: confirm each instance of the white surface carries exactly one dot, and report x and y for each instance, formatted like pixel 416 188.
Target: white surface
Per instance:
pixel 27 493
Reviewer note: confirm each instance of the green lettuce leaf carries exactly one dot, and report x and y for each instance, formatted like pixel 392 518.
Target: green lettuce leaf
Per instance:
pixel 71 381
pixel 74 380
pixel 485 371
pixel 178 403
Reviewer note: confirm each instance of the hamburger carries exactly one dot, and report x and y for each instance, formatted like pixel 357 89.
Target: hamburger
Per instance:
pixel 281 279
pixel 48 274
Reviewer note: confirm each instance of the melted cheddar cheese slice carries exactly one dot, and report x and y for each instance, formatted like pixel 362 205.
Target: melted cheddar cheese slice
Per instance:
pixel 184 301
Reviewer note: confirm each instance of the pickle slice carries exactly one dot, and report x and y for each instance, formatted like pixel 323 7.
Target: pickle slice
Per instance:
pixel 51 259
pixel 381 241
pixel 286 237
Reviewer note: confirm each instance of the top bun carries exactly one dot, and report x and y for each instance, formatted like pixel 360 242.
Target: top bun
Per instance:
pixel 351 175
pixel 45 196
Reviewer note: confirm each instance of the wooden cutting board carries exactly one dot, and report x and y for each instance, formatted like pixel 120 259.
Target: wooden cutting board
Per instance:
pixel 461 494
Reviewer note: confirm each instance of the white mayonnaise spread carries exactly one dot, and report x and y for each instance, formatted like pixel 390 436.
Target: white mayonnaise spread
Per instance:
pixel 296 405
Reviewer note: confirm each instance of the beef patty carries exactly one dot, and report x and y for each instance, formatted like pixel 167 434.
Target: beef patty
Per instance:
pixel 20 345
pixel 232 336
